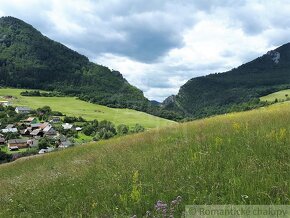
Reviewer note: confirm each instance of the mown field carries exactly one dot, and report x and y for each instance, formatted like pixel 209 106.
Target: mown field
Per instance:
pixel 74 107
pixel 280 96
pixel 241 158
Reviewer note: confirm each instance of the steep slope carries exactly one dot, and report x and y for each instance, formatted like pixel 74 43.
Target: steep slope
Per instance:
pixel 30 60
pixel 237 89
pixel 240 158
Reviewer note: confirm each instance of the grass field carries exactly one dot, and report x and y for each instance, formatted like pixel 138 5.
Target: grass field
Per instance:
pixel 280 96
pixel 240 158
pixel 73 107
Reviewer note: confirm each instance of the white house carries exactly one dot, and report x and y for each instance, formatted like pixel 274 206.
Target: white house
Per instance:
pixel 43 151
pixel 12 130
pixel 5 103
pixel 22 110
pixel 67 126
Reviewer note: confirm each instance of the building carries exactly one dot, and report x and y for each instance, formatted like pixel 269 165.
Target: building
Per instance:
pixel 67 126
pixel 19 143
pixel 48 130
pixel 22 110
pixel 37 132
pixel 65 144
pixel 79 129
pixel 35 126
pixel 55 120
pixel 31 120
pixel 9 126
pixel 26 131
pixel 45 150
pixel 2 141
pixel 44 125
pixel 32 143
pixel 5 103
pixel 10 130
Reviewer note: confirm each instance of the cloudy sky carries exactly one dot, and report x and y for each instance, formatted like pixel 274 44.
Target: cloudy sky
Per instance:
pixel 158 45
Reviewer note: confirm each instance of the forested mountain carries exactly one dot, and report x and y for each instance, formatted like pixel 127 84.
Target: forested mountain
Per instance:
pixel 30 60
pixel 237 89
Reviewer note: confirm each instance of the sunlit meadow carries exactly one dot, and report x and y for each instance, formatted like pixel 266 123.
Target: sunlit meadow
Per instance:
pixel 240 158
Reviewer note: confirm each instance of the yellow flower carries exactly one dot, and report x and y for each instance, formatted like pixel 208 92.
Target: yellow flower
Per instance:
pixel 94 205
pixel 236 126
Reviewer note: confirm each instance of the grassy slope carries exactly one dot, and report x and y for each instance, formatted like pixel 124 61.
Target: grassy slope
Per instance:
pixel 73 107
pixel 212 161
pixel 276 95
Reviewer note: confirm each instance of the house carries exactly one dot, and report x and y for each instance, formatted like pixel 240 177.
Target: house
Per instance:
pixel 67 126
pixel 32 143
pixel 37 132
pixel 79 129
pixel 9 126
pixel 10 130
pixel 48 130
pixel 26 131
pixel 20 143
pixel 44 125
pixel 45 150
pixel 13 148
pixel 31 120
pixel 65 144
pixel 5 103
pixel 55 120
pixel 2 141
pixel 35 126
pixel 22 110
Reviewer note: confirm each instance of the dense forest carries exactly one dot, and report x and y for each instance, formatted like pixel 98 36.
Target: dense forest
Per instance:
pixel 30 60
pixel 236 90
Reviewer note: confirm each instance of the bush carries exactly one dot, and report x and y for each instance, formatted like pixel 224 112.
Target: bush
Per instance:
pixel 138 128
pixel 4 157
pixel 122 129
pixel 45 142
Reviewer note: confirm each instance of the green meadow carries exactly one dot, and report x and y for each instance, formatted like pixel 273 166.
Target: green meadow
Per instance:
pixel 239 158
pixel 71 106
pixel 280 96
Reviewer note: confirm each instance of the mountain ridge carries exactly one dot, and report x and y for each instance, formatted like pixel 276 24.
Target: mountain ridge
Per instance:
pixel 236 89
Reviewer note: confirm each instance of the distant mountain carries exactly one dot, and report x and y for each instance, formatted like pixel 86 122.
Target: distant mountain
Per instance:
pixel 237 89
pixel 30 60
pixel 156 103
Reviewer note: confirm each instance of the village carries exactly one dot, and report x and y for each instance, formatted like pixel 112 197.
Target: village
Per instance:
pixel 29 132
pixel 25 131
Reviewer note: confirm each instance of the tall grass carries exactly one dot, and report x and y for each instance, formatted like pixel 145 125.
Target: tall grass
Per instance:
pixel 240 158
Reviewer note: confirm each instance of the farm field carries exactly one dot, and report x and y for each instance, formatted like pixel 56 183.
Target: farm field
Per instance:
pixel 71 106
pixel 239 158
pixel 280 96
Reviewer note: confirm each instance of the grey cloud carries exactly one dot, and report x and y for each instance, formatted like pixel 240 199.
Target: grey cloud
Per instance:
pixel 138 30
pixel 146 31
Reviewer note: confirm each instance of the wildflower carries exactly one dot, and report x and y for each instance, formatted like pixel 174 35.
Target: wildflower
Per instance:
pixel 94 205
pixel 148 213
pixel 236 126
pixel 160 205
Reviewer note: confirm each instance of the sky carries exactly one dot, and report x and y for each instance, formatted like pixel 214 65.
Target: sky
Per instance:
pixel 158 45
